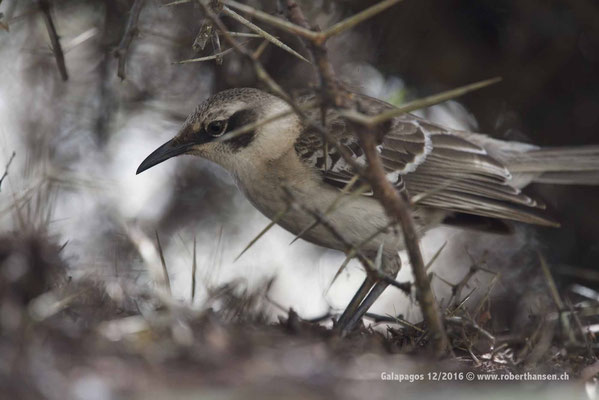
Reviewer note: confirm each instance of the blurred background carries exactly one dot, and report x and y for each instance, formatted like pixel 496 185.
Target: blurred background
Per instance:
pixel 78 142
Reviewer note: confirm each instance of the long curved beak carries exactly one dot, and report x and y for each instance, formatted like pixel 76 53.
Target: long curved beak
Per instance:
pixel 163 153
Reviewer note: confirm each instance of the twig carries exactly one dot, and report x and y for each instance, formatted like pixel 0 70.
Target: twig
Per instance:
pixel 397 208
pixel 230 13
pixel 274 21
pixel 456 290
pixel 330 89
pixel 244 35
pixel 44 6
pixel 5 174
pixel 272 223
pixel 131 30
pixel 167 280
pixel 356 19
pixel 306 33
pixel 373 121
pixel 392 320
pixel 471 324
pixel 354 250
pixel 194 268
pixel 435 256
pixel 207 58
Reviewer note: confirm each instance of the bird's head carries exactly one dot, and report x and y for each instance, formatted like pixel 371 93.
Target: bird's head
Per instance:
pixel 207 131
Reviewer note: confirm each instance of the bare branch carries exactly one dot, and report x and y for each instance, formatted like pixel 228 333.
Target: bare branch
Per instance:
pixel 435 256
pixel 304 31
pixel 194 268
pixel 230 13
pixel 44 6
pixel 372 121
pixel 131 30
pixel 471 324
pixel 356 19
pixel 274 21
pixel 397 208
pixel 167 280
pixel 244 35
pixel 5 174
pixel 272 223
pixel 207 58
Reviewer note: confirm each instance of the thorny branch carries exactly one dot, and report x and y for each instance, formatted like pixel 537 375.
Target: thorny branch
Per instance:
pixel 44 6
pixel 131 30
pixel 5 174
pixel 397 208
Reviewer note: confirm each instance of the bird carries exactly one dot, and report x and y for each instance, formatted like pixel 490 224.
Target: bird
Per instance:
pixel 460 178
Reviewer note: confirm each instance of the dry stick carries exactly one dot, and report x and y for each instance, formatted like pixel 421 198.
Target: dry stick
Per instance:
pixel 230 13
pixel 268 227
pixel 397 208
pixel 167 280
pixel 303 30
pixel 5 174
pixel 354 20
pixel 131 31
pixel 274 21
pixel 44 6
pixel 376 120
pixel 194 268
pixel 207 58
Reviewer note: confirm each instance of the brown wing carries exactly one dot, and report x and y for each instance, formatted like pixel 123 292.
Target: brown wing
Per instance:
pixel 437 165
pixel 402 147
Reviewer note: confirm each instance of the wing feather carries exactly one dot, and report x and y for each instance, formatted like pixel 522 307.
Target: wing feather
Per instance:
pixel 439 165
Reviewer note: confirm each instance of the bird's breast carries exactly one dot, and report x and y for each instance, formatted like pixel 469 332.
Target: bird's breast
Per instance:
pixel 344 222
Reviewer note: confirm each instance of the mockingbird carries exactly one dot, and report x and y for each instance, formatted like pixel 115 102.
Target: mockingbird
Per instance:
pixel 461 178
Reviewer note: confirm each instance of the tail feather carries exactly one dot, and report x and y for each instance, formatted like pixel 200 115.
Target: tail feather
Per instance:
pixel 558 165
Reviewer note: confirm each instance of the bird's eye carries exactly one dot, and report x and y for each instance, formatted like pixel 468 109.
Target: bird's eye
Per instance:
pixel 216 128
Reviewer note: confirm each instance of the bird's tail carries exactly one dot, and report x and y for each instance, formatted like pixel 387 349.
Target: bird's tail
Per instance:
pixel 557 165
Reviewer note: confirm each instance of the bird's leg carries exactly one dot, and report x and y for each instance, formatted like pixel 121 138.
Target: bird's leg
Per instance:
pixel 354 303
pixel 365 297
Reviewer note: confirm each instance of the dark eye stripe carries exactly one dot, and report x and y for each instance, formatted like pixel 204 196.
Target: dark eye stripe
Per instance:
pixel 237 120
